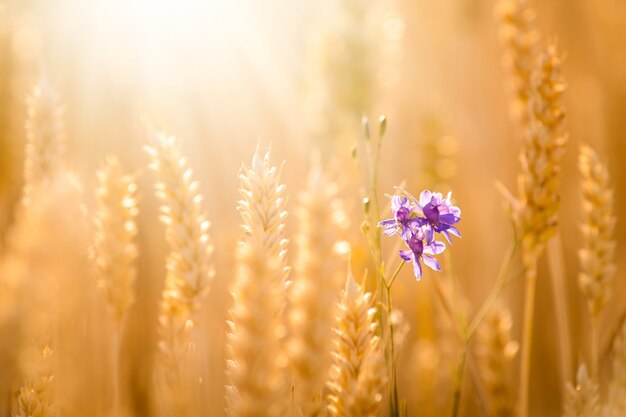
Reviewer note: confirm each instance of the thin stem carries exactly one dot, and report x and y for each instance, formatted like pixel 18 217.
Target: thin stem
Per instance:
pixel 393 277
pixel 458 383
pixel 559 291
pixel 527 336
pixel 595 361
pixel 393 401
pixel 116 368
pixel 495 292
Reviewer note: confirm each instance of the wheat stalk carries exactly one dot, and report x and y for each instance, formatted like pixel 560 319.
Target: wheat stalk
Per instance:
pixel 313 295
pixel 616 401
pixel 115 225
pixel 520 40
pixel 582 399
pixel 495 351
pixel 188 265
pixel 358 375
pixel 256 357
pixel 45 137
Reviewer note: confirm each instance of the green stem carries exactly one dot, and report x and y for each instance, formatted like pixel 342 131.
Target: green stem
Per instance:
pixel 495 292
pixel 393 399
pixel 458 383
pixel 395 274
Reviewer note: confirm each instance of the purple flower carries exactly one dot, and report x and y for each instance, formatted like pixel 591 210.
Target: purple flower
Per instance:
pixel 439 213
pixel 418 250
pixel 402 221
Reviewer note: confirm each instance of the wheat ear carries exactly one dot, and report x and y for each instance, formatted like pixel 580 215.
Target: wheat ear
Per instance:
pixel 582 399
pixel 45 137
pixel 536 215
pixel 358 375
pixel 520 41
pixel 495 351
pixel 35 398
pixel 115 226
pixel 256 356
pixel 597 254
pixel 189 270
pixel 313 294
pixel 616 402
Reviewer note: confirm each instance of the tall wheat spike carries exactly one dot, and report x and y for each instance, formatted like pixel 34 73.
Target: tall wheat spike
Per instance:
pixel 256 356
pixel 542 150
pixel 582 399
pixel 189 270
pixel 495 351
pixel 45 137
pixel 598 224
pixel 116 227
pixel 536 211
pixel 313 295
pixel 519 37
pixel 358 375
pixel 616 400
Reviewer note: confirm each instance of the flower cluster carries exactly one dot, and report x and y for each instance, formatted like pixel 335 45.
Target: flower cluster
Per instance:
pixel 417 221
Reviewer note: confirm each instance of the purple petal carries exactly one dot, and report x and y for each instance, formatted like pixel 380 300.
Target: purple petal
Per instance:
pixel 425 197
pixel 396 203
pixel 435 248
pixel 390 230
pixel 407 233
pixel 446 235
pixel 431 263
pixel 407 255
pixel 417 269
pixel 454 231
pixel 448 218
pixel 429 234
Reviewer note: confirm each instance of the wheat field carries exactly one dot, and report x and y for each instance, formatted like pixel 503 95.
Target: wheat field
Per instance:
pixel 284 208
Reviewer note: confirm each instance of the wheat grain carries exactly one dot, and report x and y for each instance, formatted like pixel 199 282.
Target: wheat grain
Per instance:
pixel 188 265
pixel 358 375
pixel 313 295
pixel 256 357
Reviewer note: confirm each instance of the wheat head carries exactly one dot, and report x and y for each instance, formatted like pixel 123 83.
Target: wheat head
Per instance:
pixel 257 384
pixel 358 375
pixel 189 270
pixel 543 147
pixel 598 224
pixel 45 137
pixel 115 250
pixel 313 294
pixel 495 351
pixel 519 38
pixel 582 399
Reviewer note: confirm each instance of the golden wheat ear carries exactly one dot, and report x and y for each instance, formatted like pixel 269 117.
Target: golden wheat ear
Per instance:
pixel 45 137
pixel 189 269
pixel 582 399
pixel 598 225
pixel 257 382
pixel 495 351
pixel 358 374
pixel 115 251
pixel 313 294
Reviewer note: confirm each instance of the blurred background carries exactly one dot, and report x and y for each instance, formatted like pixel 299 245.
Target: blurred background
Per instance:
pixel 299 75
